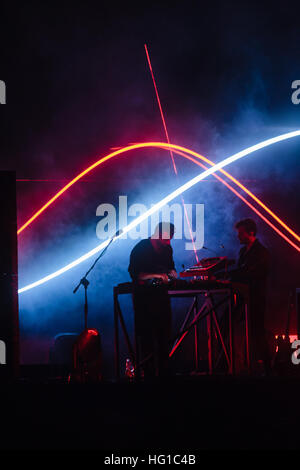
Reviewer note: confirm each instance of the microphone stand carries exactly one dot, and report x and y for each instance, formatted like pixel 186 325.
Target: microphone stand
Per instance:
pixel 85 283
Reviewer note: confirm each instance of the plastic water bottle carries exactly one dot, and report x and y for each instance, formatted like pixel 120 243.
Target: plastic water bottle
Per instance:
pixel 129 370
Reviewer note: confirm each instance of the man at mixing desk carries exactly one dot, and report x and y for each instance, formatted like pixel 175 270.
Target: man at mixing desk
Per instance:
pixel 151 260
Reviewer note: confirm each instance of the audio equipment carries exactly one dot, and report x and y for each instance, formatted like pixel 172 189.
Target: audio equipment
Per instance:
pixel 207 267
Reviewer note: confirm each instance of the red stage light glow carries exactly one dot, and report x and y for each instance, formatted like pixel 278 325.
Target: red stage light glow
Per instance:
pixel 93 332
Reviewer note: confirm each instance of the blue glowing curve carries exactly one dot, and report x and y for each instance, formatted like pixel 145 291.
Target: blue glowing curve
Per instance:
pixel 165 200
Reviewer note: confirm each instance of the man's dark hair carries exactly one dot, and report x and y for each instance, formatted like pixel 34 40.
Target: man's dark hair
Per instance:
pixel 248 224
pixel 166 227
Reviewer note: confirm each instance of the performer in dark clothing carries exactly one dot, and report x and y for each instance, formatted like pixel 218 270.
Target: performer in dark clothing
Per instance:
pixel 152 259
pixel 252 269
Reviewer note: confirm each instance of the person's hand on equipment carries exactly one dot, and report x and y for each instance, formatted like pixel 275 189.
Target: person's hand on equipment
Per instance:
pixel 173 274
pixel 163 277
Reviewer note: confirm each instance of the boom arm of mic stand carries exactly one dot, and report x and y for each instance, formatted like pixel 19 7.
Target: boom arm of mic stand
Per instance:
pixel 84 280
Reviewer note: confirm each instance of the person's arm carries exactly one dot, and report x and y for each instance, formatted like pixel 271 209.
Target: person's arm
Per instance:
pixel 145 276
pixel 173 273
pixel 256 267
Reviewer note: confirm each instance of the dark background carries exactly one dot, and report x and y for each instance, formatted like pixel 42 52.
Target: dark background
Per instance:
pixel 78 84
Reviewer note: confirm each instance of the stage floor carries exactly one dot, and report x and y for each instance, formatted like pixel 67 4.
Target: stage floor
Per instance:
pixel 187 413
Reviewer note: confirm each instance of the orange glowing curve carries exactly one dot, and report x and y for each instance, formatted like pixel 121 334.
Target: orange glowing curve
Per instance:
pixel 165 146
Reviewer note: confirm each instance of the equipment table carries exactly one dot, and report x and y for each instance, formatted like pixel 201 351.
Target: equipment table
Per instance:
pixel 203 306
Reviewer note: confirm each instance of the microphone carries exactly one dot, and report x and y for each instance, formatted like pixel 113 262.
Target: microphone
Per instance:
pixel 213 251
pixel 209 249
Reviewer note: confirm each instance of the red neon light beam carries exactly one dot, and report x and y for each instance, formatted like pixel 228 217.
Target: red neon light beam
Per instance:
pixel 211 163
pixel 160 108
pixel 171 153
